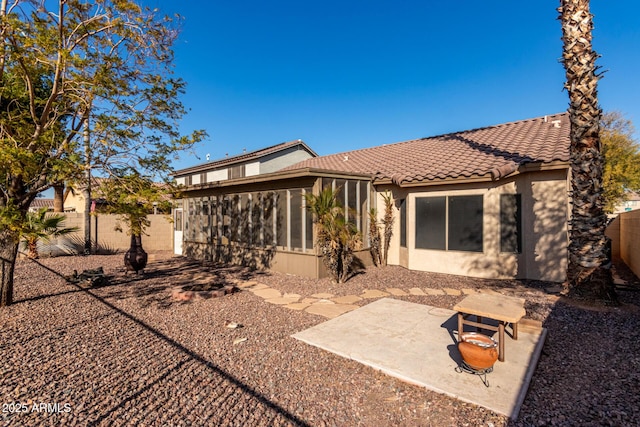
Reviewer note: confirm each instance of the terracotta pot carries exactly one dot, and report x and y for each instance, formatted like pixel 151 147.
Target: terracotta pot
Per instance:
pixel 478 351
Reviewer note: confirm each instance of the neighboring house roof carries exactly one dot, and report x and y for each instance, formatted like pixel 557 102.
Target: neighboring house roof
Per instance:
pixel 244 157
pixel 493 151
pixel 40 203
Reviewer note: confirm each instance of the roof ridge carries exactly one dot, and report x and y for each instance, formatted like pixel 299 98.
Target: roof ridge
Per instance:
pixel 486 151
pixel 443 135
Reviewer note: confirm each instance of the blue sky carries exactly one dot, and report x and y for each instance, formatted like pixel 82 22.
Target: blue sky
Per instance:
pixel 349 74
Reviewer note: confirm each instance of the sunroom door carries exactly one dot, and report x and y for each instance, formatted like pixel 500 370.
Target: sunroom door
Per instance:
pixel 177 231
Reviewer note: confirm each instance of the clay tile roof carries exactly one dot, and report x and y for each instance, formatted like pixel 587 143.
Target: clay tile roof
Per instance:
pixel 41 203
pixel 494 151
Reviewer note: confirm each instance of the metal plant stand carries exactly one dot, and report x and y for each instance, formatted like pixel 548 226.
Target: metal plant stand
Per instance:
pixel 482 373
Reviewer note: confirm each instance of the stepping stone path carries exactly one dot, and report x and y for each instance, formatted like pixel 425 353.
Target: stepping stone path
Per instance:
pixel 330 306
pixel 373 293
pixel 397 292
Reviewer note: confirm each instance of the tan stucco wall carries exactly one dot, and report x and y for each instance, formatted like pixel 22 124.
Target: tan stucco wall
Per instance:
pixel 630 240
pixel 158 237
pixel 74 202
pixel 544 229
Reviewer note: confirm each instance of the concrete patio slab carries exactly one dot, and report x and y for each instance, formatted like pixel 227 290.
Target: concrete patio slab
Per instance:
pixel 417 343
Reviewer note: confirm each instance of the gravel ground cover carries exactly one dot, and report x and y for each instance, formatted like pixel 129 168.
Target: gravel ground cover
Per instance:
pixel 130 354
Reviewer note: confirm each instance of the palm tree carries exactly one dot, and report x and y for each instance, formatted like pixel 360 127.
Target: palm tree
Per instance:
pixel 336 237
pixel 589 273
pixel 42 227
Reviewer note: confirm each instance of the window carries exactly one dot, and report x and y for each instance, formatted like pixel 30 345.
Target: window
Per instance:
pixel 257 222
pixel 308 219
pixel 351 211
pixel 511 223
pixel 237 171
pixel 327 183
pixel 465 223
pixel 269 219
pixel 282 218
pixel 403 223
pixel 364 210
pixel 295 218
pixel 226 217
pixel 431 222
pixel 449 223
pixel 177 224
pixel 245 219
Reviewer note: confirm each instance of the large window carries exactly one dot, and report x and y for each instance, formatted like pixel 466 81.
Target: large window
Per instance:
pixel 511 223
pixel 449 223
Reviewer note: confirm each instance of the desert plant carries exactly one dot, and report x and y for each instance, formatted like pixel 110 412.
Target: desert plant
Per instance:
pixel 42 227
pixel 387 223
pixel 374 238
pixel 336 238
pixel 379 244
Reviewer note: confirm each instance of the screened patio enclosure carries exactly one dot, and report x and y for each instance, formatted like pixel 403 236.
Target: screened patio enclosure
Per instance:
pixel 265 224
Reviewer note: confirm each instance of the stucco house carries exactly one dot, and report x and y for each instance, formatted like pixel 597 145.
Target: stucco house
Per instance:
pixel 489 202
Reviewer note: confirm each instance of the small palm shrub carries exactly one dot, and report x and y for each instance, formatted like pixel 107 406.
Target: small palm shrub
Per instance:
pixel 336 238
pixel 42 227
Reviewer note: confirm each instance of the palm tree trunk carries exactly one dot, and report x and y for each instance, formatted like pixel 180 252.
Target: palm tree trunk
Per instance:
pixel 589 272
pixel 58 198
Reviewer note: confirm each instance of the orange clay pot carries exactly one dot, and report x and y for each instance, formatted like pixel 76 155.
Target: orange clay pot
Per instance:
pixel 478 351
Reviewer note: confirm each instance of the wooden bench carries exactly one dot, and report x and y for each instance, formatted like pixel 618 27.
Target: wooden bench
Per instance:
pixel 506 310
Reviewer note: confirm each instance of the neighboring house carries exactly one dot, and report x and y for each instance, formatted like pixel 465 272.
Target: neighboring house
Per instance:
pixel 74 199
pixel 489 202
pixel 39 203
pixel 263 161
pixel 632 203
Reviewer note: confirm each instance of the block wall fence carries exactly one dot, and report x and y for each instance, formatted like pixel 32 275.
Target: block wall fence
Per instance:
pixel 158 236
pixel 624 232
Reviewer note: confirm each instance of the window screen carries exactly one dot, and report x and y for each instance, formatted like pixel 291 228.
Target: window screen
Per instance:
pixel 281 218
pixel 465 223
pixel 308 224
pixel 256 219
pixel 268 204
pixel 430 222
pixel 510 223
pixel 296 218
